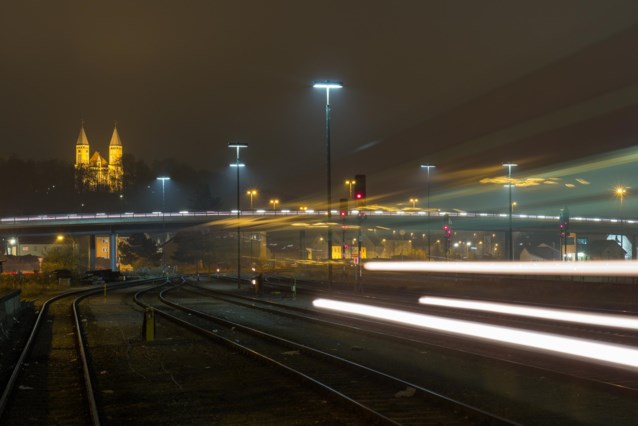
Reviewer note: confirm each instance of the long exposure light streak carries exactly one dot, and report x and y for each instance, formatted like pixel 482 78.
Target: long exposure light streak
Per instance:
pixel 624 356
pixel 606 268
pixel 603 320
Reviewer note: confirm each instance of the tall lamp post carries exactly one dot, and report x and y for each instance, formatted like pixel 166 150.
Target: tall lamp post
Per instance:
pixel 274 205
pixel 620 193
pixel 237 165
pixel 414 201
pixel 350 182
pixel 427 190
pixel 326 84
pixel 251 193
pixel 163 179
pixel 60 239
pixel 510 247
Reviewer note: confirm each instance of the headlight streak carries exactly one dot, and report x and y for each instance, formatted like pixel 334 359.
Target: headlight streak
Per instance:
pixel 615 354
pixel 603 320
pixel 605 268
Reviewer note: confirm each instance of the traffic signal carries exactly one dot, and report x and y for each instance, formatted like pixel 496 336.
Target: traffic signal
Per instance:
pixel 360 189
pixel 563 223
pixel 447 227
pixel 343 207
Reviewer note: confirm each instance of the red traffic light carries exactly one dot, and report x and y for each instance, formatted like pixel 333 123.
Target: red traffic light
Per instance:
pixel 447 231
pixel 343 207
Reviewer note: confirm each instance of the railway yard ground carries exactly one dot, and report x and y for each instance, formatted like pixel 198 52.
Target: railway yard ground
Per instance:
pixel 182 377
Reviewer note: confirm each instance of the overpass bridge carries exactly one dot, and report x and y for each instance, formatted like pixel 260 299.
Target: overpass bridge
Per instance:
pixel 413 221
pixel 418 221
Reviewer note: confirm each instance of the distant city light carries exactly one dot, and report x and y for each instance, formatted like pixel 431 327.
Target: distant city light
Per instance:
pixel 609 353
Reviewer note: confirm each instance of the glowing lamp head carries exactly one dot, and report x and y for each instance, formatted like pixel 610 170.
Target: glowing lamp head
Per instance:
pixel 327 84
pixel 237 145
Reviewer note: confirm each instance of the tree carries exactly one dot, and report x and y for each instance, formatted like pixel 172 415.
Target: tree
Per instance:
pixel 140 251
pixel 61 257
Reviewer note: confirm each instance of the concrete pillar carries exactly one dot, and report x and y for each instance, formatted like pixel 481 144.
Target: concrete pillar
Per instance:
pixel 113 251
pixel 263 246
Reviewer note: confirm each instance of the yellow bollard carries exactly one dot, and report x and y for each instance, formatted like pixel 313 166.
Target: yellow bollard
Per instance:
pixel 148 328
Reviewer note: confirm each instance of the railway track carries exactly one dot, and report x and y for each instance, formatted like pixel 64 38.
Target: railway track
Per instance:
pixel 539 370
pixel 52 381
pixel 378 396
pixel 605 376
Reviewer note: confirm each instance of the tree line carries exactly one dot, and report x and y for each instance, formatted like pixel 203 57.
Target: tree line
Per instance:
pixel 33 187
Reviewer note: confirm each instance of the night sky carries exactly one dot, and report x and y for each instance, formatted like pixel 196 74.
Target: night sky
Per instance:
pixel 466 85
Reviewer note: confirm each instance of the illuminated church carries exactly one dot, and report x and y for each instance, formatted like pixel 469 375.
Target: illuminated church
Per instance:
pixel 94 173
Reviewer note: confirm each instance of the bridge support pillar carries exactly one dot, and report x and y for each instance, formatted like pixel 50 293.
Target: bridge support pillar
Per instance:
pixel 113 251
pixel 92 252
pixel 263 246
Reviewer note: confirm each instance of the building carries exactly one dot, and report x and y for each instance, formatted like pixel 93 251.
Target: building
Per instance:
pixel 94 172
pixel 604 250
pixel 542 252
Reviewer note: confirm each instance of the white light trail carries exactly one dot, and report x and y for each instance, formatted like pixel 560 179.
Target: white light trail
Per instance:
pixel 615 354
pixel 604 268
pixel 603 320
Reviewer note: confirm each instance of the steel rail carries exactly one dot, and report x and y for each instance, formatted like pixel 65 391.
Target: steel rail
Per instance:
pixel 26 350
pixel 468 409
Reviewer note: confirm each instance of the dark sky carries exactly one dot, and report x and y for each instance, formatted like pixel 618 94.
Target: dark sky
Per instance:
pixel 463 84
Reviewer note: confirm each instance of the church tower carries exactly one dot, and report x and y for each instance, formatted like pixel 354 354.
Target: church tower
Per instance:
pixel 94 172
pixel 115 162
pixel 82 149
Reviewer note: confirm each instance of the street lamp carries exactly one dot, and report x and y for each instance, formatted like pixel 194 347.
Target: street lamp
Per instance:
pixel 427 186
pixel 274 205
pixel 510 248
pixel 251 193
pixel 620 192
pixel 163 179
pixel 237 165
pixel 60 239
pixel 326 84
pixel 414 201
pixel 350 182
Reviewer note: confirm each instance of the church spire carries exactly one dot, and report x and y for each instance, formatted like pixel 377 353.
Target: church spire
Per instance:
pixel 115 138
pixel 82 139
